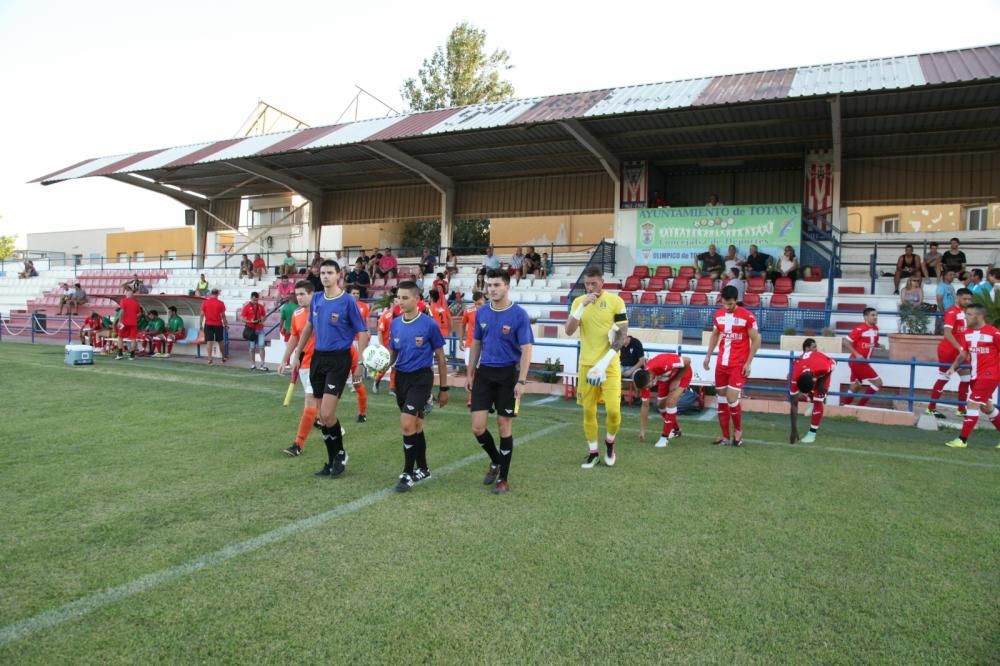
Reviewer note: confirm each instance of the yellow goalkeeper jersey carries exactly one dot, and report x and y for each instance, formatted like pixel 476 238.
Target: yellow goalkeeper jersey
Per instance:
pixel 597 320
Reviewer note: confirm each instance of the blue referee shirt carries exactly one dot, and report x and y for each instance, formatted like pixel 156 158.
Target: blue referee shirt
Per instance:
pixel 501 334
pixel 335 321
pixel 414 342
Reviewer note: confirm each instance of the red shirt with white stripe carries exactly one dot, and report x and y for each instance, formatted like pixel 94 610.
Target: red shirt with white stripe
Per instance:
pixel 665 367
pixel 864 338
pixel 734 335
pixel 983 347
pixel 954 318
pixel 818 363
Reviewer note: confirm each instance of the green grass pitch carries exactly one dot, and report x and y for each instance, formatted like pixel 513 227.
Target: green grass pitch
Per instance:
pixel 149 516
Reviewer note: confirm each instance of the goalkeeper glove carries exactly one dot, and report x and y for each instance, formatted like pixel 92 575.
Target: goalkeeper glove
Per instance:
pixel 598 374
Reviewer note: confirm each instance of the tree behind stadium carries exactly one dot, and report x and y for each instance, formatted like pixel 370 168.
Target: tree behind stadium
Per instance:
pixel 459 73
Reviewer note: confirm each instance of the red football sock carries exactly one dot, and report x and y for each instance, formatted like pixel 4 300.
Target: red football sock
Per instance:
pixel 869 390
pixel 936 392
pixel 170 345
pixel 736 412
pixel 969 424
pixel 963 389
pixel 724 417
pixel 817 415
pixel 669 420
pixel 305 426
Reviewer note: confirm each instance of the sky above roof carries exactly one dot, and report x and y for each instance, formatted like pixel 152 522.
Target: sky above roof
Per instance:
pixel 82 80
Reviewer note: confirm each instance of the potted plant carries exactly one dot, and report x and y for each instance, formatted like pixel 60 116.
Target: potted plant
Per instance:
pixel 916 336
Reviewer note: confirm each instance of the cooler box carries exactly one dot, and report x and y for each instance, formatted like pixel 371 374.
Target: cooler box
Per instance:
pixel 79 355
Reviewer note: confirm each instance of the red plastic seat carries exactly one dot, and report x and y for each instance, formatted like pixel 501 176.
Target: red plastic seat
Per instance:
pixel 664 272
pixel 649 298
pixel 756 285
pixel 633 283
pixel 673 298
pixel 641 272
pixel 704 285
pixel 626 296
pixel 656 284
pixel 783 285
pixel 815 274
pixel 751 300
pixel 778 301
pixel 686 272
pixel 698 298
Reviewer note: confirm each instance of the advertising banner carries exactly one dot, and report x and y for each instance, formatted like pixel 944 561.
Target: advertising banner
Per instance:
pixel 676 236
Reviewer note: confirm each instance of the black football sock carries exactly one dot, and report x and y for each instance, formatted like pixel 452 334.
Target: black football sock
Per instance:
pixel 331 444
pixel 486 441
pixel 338 440
pixel 421 450
pixel 506 452
pixel 409 452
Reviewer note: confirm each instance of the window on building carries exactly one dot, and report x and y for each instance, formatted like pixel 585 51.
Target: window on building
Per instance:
pixel 265 217
pixel 975 218
pixel 171 255
pixel 889 225
pixel 123 257
pixel 140 256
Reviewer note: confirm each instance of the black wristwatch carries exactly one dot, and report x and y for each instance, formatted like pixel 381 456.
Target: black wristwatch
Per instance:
pixel 444 389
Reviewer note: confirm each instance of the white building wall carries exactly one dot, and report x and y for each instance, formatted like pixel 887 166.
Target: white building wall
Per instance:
pixel 86 242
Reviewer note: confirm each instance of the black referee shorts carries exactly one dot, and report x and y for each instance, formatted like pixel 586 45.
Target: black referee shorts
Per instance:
pixel 494 388
pixel 329 372
pixel 413 391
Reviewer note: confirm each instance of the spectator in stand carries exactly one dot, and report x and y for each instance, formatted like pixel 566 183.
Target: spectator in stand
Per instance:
pixel 632 356
pixel 427 262
pixel 907 265
pixel 517 264
pixel 259 267
pixel 932 262
pixel 953 258
pixel 29 270
pixel 128 325
pixel 373 260
pixel 440 285
pixel 532 262
pixel 788 265
pixel 175 331
pixel 213 323
pixel 450 264
pixel 736 280
pixel 490 262
pixel 202 289
pixel 133 284
pixel 66 299
pixel 285 316
pixel 91 327
pixel 317 260
pixel 913 292
pixel 313 277
pixel 945 293
pixel 976 283
pixel 657 200
pixel 757 263
pixel 358 278
pixel 285 288
pixel 246 267
pixel 713 200
pixel 288 266
pixel 710 263
pixel 152 334
pixel 547 265
pixel 733 259
pixel 388 266
pixel 993 280
pixel 480 282
pixel 252 315
pixel 79 298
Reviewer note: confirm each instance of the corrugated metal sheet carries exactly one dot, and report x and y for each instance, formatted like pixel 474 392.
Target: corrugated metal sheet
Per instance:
pixel 961 65
pixel 300 138
pixel 881 74
pixel 923 179
pixel 413 125
pixel 483 116
pixel 649 97
pixel 352 133
pixel 559 107
pixel 226 209
pixel 542 195
pixel 410 202
pixel 753 87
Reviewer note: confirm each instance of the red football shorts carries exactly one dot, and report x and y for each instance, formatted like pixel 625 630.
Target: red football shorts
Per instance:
pixel 946 356
pixel 127 332
pixel 663 388
pixel 981 390
pixel 861 372
pixel 729 376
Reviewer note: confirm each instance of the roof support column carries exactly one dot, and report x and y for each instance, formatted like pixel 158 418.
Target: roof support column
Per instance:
pixel 200 236
pixel 837 160
pixel 315 223
pixel 447 222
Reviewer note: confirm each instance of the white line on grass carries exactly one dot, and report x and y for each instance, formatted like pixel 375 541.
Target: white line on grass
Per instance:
pixel 80 607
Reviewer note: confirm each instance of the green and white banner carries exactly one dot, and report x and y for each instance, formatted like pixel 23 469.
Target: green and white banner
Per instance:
pixel 676 236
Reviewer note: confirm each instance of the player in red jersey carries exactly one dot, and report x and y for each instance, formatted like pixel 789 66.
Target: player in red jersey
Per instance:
pixel 740 340
pixel 467 331
pixel 861 342
pixel 671 374
pixel 981 347
pixel 128 325
pixel 357 375
pixel 948 350
pixel 383 327
pixel 811 379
